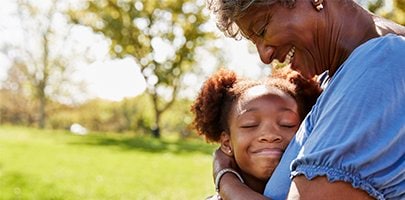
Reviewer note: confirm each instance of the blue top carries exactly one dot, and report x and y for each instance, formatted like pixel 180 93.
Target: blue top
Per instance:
pixel 356 130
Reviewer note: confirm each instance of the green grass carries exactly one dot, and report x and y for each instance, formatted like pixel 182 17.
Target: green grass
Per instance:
pixel 48 164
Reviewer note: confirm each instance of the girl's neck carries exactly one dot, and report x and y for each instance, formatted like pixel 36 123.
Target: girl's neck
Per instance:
pixel 254 183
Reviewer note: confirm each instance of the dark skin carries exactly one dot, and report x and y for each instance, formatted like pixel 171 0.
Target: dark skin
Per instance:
pixel 301 188
pixel 326 47
pixel 256 139
pixel 323 40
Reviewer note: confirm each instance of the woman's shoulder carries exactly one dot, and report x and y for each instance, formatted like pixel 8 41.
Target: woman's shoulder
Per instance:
pixel 376 64
pixel 386 49
pixel 389 41
pixel 214 197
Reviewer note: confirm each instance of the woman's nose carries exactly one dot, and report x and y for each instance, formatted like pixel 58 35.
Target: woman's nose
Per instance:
pixel 265 51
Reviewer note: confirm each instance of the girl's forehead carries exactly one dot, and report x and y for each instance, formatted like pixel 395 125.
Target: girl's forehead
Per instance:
pixel 260 90
pixel 263 95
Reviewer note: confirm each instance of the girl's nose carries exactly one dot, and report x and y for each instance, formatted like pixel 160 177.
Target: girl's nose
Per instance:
pixel 270 135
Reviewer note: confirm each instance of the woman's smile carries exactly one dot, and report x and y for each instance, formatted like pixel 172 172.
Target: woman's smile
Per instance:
pixel 290 56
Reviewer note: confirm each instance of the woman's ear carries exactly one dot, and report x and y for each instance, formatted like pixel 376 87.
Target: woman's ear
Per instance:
pixel 226 145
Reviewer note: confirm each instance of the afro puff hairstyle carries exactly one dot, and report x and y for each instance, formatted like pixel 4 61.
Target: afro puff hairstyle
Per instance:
pixel 223 88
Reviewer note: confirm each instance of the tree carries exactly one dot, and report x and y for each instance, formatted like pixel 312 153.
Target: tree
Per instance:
pixel 397 13
pixel 380 7
pixel 42 57
pixel 162 36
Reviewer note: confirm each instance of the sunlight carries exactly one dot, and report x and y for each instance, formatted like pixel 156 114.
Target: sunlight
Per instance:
pixel 121 78
pixel 114 79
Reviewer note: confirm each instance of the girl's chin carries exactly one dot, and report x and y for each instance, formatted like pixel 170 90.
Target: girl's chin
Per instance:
pixel 264 175
pixel 260 174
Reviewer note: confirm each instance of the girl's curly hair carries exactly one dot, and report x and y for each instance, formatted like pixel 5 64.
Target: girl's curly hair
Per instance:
pixel 222 89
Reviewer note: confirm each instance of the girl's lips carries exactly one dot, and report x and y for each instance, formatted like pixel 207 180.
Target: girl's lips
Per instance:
pixel 269 152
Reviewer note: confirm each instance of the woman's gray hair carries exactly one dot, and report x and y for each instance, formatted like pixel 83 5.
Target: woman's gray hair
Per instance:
pixel 228 11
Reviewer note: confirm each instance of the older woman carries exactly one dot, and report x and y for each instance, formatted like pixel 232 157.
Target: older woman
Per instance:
pixel 351 145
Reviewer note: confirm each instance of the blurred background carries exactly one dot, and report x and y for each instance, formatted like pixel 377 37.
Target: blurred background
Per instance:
pixel 95 96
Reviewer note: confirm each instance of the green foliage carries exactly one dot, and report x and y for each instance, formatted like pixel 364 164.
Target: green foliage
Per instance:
pixel 374 6
pixel 16 109
pixel 177 120
pixel 129 115
pixel 161 35
pixel 97 115
pixel 143 118
pixel 45 164
pixel 396 14
pixel 44 57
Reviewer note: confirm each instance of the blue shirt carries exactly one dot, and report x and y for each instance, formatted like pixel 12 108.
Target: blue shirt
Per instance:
pixel 356 130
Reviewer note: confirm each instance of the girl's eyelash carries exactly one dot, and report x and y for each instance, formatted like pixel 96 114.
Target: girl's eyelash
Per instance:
pixel 289 126
pixel 248 126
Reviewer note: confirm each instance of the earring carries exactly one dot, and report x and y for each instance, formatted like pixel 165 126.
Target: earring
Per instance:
pixel 317 4
pixel 229 151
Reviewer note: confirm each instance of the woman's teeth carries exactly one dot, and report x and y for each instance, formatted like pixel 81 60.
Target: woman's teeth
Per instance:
pixel 287 61
pixel 289 56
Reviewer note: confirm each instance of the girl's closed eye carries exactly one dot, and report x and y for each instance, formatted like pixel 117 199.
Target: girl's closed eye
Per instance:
pixel 288 125
pixel 249 125
pixel 289 121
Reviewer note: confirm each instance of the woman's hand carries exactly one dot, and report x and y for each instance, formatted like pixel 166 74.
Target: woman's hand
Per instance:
pixel 222 161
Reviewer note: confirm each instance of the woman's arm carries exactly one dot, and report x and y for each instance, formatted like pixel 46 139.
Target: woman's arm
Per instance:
pixel 320 188
pixel 230 187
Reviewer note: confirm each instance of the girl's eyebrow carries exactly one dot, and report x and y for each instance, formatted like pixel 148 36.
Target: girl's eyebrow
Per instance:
pixel 288 110
pixel 246 111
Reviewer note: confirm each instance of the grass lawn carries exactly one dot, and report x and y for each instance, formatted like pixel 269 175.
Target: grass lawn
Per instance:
pixel 48 164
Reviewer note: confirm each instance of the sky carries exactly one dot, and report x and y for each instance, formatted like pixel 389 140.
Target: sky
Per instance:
pixel 115 79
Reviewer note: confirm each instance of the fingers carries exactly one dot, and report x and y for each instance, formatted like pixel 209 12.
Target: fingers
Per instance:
pixel 222 161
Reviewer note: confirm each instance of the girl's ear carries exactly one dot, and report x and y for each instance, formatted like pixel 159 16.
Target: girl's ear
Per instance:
pixel 226 145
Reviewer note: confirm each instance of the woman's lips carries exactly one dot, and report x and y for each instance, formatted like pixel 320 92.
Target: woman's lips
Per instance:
pixel 286 61
pixel 290 55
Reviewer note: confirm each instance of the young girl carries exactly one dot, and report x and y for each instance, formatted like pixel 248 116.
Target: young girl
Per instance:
pixel 253 120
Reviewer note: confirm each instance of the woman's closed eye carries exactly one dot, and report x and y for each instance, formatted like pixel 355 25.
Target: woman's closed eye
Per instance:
pixel 261 32
pixel 256 34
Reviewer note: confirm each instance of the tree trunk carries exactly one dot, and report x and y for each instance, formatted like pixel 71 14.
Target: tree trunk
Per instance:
pixel 42 114
pixel 156 127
